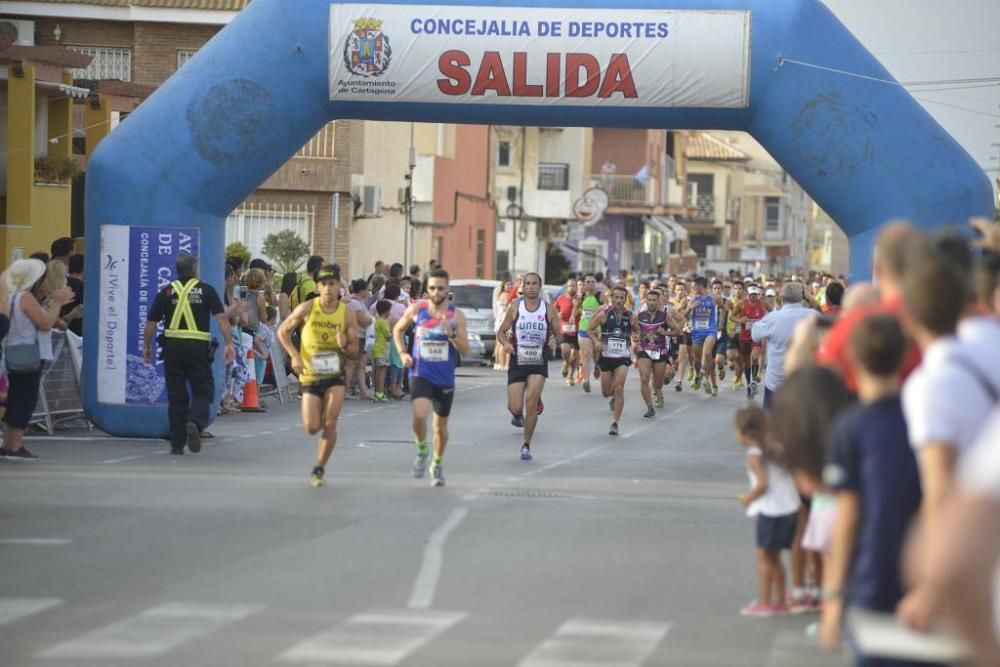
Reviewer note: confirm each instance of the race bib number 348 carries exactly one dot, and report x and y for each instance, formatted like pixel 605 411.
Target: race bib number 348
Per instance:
pixel 434 350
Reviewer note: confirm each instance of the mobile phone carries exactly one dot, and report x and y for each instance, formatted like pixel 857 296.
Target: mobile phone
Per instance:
pixel 451 297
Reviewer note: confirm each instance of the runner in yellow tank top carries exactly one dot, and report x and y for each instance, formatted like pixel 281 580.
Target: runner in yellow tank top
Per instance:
pixel 329 334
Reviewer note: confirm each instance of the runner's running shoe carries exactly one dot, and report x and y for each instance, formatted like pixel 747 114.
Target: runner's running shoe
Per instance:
pixel 586 386
pixel 614 429
pixel 650 412
pixel 525 453
pixel 20 454
pixel 420 465
pixel 437 475
pixel 316 478
pixel 517 421
pixel 708 387
pixel 659 401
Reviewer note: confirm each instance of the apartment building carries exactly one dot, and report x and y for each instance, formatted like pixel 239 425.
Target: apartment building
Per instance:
pixel 538 173
pixel 748 212
pixel 643 174
pixel 347 191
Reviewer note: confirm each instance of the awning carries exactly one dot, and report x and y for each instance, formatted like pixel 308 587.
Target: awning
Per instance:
pixel 670 228
pixel 65 89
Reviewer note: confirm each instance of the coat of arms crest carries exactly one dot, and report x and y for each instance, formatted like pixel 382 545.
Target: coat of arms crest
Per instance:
pixel 366 49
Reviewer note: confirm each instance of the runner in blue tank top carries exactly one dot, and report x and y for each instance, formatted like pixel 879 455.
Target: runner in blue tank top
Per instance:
pixel 440 337
pixel 704 330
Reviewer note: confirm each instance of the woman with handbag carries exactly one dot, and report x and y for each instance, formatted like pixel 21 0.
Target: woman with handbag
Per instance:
pixel 27 348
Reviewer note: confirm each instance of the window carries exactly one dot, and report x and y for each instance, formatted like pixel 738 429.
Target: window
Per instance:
pixel 503 154
pixel 553 176
pixel 481 253
pixel 503 262
pixel 772 214
pixel 183 56
pixel 591 257
pixel 252 222
pixel 705 201
pixel 110 62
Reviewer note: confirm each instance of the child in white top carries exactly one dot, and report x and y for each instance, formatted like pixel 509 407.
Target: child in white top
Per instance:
pixel 775 502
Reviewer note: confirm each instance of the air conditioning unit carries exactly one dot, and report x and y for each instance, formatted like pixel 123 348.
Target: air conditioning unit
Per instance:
pixel 371 201
pixel 18 32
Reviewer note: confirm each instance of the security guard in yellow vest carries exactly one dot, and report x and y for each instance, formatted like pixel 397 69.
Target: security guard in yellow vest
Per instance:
pixel 187 306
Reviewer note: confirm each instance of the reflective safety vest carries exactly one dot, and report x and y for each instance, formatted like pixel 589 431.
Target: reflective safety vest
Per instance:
pixel 182 324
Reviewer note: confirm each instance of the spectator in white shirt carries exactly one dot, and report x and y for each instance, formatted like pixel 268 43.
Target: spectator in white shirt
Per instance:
pixel 778 329
pixel 949 397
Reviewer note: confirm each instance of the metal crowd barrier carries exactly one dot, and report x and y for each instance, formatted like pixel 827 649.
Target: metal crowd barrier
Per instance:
pixel 59 399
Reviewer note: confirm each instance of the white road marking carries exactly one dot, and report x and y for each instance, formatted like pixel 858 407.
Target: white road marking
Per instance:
pixel 35 541
pixel 126 458
pixel 425 586
pixel 14 609
pixel 373 638
pixel 150 633
pixel 655 422
pixel 595 643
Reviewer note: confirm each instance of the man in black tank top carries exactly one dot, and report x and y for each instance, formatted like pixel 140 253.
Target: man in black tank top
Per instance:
pixel 619 336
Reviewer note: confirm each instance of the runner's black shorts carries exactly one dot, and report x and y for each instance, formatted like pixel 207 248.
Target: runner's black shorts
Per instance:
pixel 440 396
pixel 319 387
pixel 721 345
pixel 664 357
pixel 571 340
pixel 610 364
pixel 517 374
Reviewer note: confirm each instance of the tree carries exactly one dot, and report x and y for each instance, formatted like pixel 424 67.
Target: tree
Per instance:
pixel 287 250
pixel 237 249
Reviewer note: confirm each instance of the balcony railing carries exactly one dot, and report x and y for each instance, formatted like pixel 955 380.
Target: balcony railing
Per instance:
pixel 321 145
pixel 624 189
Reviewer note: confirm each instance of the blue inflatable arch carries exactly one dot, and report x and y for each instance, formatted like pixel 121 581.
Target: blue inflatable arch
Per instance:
pixel 864 150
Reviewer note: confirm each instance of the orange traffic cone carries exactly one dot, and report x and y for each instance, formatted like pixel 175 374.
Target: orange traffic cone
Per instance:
pixel 251 401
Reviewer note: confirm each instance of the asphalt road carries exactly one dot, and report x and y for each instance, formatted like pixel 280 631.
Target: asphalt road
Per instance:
pixel 602 551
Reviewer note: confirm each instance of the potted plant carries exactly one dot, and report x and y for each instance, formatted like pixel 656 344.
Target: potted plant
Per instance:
pixel 52 169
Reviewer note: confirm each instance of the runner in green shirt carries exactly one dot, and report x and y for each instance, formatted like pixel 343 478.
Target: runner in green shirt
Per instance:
pixel 590 303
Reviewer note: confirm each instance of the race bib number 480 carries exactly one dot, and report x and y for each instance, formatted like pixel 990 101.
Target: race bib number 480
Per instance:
pixel 529 354
pixel 434 350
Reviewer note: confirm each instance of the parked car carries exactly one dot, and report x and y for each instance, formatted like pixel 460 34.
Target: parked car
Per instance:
pixel 475 298
pixel 477 351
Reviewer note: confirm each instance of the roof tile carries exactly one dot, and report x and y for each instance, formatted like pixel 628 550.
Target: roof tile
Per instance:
pixel 704 146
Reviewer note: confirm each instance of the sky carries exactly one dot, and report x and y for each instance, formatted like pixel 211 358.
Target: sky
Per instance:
pixel 921 40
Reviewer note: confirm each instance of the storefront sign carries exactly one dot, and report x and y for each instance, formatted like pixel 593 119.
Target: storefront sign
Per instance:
pixel 534 56
pixel 136 263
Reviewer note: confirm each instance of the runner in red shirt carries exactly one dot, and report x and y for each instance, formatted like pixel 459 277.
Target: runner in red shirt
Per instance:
pixel 567 305
pixel 752 310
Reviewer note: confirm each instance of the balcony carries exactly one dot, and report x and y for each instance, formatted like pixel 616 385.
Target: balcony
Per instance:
pixel 624 190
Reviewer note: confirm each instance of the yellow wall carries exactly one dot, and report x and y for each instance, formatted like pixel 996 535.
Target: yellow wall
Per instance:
pixel 36 215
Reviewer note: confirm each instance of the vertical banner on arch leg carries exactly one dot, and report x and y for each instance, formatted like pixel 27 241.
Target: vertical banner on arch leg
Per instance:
pixel 136 263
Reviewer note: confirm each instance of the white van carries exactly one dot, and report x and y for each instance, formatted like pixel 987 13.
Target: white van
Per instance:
pixel 475 298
